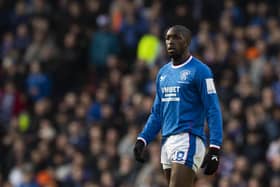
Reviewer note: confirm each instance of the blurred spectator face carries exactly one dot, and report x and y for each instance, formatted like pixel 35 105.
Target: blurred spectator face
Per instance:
pixel 241 164
pixel 259 170
pixel 236 179
pixel 95 132
pixel 111 150
pixel 80 112
pixel 69 40
pixel 9 88
pixel 155 10
pixel 61 142
pixel 39 5
pixel 275 182
pixel 74 129
pixel 126 164
pixel 129 11
pixel 228 146
pixel 147 104
pixel 85 99
pixel 28 177
pixel 7 184
pixel 261 47
pixel 35 68
pixel 137 100
pixel 77 173
pixel 46 131
pixel 115 77
pixel 262 9
pixel 224 182
pixel 43 148
pixel 251 8
pixel 8 39
pixel 41 107
pixel 254 32
pixel 112 136
pixel 79 159
pixel 36 157
pixel 251 119
pixel 101 95
pixel 40 25
pixel 20 8
pixel 222 47
pixel 275 164
pixel 91 184
pixel 112 62
pixel 267 98
pixel 93 5
pixel 22 31
pixel 74 9
pixel 226 24
pixel 233 127
pixel 103 163
pixel 19 147
pixel 276 114
pixel 238 33
pixel 245 88
pixel 39 38
pixel 235 107
pixel 96 147
pixel 70 100
pixel 107 179
pixel 106 111
pixel 253 182
pixel 61 120
pixel 181 10
pixel 253 138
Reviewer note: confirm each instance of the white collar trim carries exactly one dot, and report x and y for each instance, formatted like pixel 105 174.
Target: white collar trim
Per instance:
pixel 178 66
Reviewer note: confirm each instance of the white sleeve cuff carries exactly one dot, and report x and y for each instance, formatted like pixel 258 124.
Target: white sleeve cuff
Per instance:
pixel 140 138
pixel 215 146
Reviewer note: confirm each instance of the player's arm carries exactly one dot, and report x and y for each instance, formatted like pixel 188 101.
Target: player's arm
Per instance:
pixel 151 128
pixel 210 101
pixel 153 124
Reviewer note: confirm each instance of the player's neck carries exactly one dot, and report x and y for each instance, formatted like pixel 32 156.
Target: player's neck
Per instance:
pixel 180 60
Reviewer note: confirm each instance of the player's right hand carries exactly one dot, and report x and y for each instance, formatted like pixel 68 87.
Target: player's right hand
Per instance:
pixel 139 151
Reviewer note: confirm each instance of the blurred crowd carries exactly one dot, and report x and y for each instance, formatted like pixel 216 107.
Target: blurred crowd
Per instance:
pixel 77 84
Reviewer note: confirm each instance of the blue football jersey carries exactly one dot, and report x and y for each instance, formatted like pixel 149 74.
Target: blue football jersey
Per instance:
pixel 185 98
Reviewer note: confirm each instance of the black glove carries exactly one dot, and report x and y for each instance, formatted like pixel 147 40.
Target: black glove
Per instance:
pixel 139 150
pixel 211 161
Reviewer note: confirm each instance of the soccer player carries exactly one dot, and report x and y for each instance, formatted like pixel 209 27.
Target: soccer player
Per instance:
pixel 185 98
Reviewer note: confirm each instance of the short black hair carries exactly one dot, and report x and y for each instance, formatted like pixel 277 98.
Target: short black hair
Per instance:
pixel 183 30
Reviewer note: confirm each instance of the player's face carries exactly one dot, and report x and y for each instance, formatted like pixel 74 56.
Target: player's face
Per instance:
pixel 175 42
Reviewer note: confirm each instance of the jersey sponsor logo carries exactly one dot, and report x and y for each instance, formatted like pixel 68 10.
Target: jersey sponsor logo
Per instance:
pixel 168 99
pixel 210 86
pixel 162 77
pixel 170 89
pixel 170 93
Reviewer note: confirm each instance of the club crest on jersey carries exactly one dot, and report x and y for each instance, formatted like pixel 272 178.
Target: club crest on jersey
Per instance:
pixel 162 77
pixel 184 74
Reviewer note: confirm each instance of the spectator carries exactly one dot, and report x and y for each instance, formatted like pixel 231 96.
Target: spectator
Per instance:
pixel 38 85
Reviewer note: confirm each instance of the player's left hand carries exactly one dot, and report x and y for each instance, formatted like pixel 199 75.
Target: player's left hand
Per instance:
pixel 211 161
